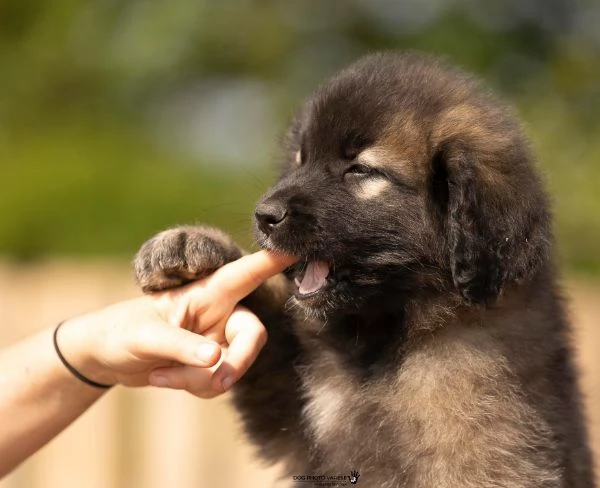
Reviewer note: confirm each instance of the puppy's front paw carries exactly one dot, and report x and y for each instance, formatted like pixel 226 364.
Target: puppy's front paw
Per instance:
pixel 182 254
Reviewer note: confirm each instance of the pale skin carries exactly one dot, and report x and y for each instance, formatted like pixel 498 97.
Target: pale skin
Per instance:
pixel 195 338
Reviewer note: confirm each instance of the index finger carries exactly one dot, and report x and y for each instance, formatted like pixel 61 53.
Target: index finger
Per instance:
pixel 241 277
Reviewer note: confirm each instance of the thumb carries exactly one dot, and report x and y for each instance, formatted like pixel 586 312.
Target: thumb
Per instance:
pixel 178 345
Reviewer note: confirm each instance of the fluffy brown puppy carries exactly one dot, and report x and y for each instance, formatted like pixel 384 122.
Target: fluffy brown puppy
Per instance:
pixel 424 342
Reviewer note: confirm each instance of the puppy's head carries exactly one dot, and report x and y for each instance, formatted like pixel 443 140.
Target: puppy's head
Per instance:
pixel 402 176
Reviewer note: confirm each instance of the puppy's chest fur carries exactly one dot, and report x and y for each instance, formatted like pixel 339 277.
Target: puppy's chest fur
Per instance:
pixel 427 417
pixel 342 414
pixel 342 378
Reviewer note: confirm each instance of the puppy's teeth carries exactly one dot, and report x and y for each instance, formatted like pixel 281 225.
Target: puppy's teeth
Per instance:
pixel 297 281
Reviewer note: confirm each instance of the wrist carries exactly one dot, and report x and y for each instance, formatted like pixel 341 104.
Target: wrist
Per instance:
pixel 75 342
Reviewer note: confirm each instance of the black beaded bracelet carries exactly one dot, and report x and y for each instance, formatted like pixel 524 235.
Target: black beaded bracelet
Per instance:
pixel 73 371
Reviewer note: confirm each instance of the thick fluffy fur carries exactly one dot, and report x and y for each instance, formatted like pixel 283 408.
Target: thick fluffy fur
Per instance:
pixel 438 353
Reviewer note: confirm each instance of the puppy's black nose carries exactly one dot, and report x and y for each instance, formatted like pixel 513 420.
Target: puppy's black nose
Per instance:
pixel 269 215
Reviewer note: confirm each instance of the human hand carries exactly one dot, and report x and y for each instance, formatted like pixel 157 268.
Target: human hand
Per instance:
pixel 176 338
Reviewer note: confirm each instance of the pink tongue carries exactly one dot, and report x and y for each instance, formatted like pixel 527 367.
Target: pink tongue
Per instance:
pixel 315 277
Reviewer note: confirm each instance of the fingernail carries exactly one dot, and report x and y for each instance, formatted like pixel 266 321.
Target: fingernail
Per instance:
pixel 159 381
pixel 227 382
pixel 206 352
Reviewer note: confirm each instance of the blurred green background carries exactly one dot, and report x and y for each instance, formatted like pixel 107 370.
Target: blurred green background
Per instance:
pixel 120 118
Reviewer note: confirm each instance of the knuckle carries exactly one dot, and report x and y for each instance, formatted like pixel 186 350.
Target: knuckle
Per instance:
pixel 254 277
pixel 262 336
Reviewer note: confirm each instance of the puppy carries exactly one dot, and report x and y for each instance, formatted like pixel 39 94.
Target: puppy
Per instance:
pixel 424 342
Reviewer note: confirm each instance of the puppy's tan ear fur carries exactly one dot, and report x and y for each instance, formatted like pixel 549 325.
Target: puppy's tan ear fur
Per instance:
pixel 493 236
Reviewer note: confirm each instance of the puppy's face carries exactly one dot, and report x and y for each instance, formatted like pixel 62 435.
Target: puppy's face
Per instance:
pixel 373 181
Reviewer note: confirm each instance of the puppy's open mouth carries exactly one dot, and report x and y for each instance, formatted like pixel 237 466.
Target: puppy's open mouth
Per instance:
pixel 312 277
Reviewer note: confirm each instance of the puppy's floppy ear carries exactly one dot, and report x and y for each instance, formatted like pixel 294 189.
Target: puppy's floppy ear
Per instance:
pixel 496 218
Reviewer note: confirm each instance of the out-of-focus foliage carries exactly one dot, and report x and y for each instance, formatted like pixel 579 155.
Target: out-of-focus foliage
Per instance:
pixel 118 118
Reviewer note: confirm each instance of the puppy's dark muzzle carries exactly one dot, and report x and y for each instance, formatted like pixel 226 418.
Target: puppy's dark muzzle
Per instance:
pixel 269 215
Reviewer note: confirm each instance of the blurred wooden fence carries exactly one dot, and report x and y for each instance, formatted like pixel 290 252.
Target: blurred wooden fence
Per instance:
pixel 150 438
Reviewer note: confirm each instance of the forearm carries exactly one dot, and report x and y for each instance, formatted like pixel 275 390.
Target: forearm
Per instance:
pixel 39 397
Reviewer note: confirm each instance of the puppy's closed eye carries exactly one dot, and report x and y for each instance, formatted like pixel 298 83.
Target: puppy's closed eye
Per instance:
pixel 360 170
